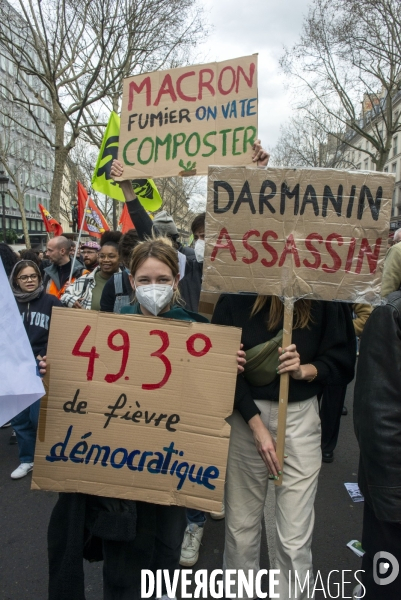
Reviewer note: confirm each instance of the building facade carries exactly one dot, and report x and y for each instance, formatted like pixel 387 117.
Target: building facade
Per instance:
pixel 28 156
pixel 372 121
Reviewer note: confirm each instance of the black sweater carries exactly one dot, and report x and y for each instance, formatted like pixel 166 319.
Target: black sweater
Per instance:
pixel 328 343
pixel 190 285
pixel 36 316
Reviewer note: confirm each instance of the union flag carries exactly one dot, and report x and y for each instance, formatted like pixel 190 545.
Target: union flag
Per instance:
pixel 51 225
pixel 94 223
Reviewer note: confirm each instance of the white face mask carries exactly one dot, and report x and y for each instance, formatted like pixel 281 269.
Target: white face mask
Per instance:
pixel 154 297
pixel 199 250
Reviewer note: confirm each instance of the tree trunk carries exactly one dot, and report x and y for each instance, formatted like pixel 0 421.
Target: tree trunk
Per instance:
pixel 61 152
pixel 20 201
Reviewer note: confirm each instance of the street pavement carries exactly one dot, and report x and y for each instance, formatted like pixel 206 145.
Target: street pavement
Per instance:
pixel 24 515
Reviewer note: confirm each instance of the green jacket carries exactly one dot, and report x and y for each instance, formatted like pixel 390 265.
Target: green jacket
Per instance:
pixel 176 312
pixel 392 270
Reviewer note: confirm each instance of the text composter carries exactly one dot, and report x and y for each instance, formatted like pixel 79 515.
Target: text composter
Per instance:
pixel 136 408
pixel 297 233
pixel 178 122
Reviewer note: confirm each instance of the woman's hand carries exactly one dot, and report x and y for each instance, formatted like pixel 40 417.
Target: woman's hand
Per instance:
pixel 260 156
pixel 117 170
pixel 241 360
pixel 43 366
pixel 77 303
pixel 290 362
pixel 265 445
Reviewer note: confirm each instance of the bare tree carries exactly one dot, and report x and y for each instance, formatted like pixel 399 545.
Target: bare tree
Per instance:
pixel 71 56
pixel 349 50
pixel 310 139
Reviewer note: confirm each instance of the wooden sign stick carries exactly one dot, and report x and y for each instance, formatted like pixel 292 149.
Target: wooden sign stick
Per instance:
pixel 284 387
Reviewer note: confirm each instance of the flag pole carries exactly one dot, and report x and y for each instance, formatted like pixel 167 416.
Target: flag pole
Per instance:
pixel 79 235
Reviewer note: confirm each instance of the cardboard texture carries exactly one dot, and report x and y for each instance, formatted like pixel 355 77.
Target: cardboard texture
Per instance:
pixel 177 122
pixel 297 233
pixel 178 459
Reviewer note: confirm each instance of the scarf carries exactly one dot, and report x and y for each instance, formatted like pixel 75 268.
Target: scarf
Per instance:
pixel 25 296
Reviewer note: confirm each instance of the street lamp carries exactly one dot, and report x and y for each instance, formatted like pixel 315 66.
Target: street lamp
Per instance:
pixel 3 188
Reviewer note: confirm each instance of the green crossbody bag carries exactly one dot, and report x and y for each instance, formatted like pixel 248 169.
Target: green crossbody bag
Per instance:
pixel 262 361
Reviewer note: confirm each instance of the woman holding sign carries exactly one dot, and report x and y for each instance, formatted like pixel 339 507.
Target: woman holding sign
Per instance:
pixel 35 307
pixel 323 351
pixel 128 535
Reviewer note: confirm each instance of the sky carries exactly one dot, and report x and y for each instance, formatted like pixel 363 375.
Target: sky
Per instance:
pixel 240 28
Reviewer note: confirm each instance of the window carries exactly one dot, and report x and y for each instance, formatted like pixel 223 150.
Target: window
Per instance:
pixel 7 223
pixel 7 200
pixel 386 169
pixel 366 166
pixel 395 145
pixel 358 166
pixel 19 224
pixel 34 206
pixel 13 223
pixel 359 153
pixel 27 202
pixel 394 168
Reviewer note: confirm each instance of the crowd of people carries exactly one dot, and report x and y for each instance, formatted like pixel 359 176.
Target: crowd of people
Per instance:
pixel 148 271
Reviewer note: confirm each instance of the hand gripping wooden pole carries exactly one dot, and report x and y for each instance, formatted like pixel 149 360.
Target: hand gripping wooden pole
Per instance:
pixel 284 387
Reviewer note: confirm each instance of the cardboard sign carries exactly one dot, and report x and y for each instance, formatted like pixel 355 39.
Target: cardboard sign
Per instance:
pixel 178 122
pixel 297 233
pixel 136 408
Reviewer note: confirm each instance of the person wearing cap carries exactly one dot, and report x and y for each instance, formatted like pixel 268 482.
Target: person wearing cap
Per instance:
pixel 163 226
pixel 90 255
pixel 87 290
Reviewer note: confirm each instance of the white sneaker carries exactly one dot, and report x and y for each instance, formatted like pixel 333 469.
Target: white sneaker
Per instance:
pixel 216 516
pixel 190 545
pixel 22 470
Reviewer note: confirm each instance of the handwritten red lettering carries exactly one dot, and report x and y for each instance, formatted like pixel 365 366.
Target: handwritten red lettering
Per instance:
pixel 191 344
pixel 167 87
pixel 312 237
pixel 92 354
pixel 205 83
pixel 350 255
pixel 249 80
pixel 254 253
pixel 269 248
pixel 371 255
pixel 125 347
pixel 336 258
pixel 220 81
pixel 159 354
pixel 133 87
pixel 219 245
pixel 179 90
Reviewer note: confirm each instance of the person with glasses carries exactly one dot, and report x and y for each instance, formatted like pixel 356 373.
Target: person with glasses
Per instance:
pixel 90 255
pixel 35 307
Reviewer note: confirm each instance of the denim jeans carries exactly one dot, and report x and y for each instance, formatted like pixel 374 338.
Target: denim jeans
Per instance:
pixel 196 516
pixel 25 425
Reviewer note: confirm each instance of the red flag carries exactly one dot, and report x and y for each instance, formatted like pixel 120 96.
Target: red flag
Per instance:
pixel 94 223
pixel 52 226
pixel 125 220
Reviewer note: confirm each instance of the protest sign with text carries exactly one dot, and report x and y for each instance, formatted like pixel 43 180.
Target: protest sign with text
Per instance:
pixel 177 122
pixel 297 233
pixel 136 408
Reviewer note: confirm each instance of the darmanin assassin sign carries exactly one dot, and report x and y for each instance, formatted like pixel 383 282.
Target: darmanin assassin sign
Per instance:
pixel 136 408
pixel 296 233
